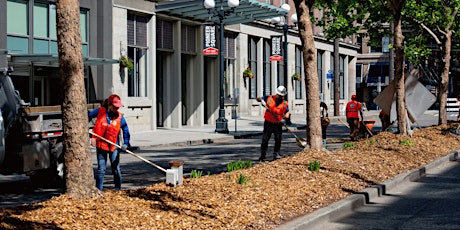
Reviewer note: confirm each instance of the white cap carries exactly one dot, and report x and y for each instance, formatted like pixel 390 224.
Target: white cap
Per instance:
pixel 281 90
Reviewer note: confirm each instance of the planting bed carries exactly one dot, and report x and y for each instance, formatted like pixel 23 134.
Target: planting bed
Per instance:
pixel 273 192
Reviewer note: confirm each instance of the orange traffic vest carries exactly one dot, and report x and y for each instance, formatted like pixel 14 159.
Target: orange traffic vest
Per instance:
pixel 277 111
pixel 106 130
pixel 353 107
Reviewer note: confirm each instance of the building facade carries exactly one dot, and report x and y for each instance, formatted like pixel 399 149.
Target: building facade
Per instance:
pixel 172 83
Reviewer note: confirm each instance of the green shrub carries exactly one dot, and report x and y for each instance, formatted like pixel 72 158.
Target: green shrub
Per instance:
pixel 406 142
pixel 232 166
pixel 196 174
pixel 242 179
pixel 314 166
pixel 347 145
pixel 372 141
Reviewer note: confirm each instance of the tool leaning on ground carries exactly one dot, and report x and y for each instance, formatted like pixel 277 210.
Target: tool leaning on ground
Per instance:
pixel 362 123
pixel 301 142
pixel 133 154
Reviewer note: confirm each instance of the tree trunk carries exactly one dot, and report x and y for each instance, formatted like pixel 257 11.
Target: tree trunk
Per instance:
pixel 445 79
pixel 399 67
pixel 79 172
pixel 336 77
pixel 314 138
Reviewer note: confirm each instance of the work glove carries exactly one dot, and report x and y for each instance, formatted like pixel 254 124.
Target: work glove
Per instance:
pixel 264 104
pixel 124 148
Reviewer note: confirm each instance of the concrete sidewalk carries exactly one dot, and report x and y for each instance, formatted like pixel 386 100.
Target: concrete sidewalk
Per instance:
pixel 238 128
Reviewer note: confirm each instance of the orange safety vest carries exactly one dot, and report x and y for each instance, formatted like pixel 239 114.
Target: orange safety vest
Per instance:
pixel 277 110
pixel 106 130
pixel 353 107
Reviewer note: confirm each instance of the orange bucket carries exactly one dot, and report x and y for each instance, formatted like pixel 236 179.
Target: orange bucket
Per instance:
pixel 369 124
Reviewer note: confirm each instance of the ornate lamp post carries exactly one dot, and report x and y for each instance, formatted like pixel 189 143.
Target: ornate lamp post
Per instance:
pixel 282 23
pixel 221 122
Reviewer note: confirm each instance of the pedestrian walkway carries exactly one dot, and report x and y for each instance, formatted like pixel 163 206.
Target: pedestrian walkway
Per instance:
pixel 238 128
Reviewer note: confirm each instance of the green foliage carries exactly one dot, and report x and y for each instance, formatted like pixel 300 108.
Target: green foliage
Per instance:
pixel 347 145
pixel 209 173
pixel 372 141
pixel 314 166
pixel 247 73
pixel 338 16
pixel 196 174
pixel 407 143
pixel 232 166
pixel 126 62
pixel 242 179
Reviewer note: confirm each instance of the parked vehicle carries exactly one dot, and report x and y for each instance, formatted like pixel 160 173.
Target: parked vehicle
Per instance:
pixel 30 137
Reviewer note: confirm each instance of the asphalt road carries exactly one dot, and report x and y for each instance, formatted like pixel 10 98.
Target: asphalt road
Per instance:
pixel 432 202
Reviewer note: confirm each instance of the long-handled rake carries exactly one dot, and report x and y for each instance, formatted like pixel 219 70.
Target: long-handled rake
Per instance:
pixel 301 142
pixel 133 154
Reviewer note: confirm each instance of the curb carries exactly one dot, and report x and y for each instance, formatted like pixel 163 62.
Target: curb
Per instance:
pixel 349 204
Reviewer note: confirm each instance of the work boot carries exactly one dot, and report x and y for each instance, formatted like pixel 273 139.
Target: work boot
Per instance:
pixel 277 156
pixel 262 157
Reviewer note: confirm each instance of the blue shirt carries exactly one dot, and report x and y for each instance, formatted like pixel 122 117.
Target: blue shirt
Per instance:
pixel 123 125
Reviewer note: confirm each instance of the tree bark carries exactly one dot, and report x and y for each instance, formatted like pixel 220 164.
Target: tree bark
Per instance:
pixel 79 172
pixel 445 79
pixel 399 66
pixel 314 138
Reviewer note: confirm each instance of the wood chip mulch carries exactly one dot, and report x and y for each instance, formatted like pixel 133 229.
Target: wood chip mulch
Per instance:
pixel 276 191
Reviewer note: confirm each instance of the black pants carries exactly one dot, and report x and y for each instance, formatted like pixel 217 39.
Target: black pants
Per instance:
pixel 269 128
pixel 323 131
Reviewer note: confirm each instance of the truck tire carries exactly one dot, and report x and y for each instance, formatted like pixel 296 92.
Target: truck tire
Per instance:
pixel 52 177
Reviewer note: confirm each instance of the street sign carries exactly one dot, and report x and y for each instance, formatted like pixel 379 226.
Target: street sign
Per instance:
pixel 329 75
pixel 276 48
pixel 210 40
pixel 276 58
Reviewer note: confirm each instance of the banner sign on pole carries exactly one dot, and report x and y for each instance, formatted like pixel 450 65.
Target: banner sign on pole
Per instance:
pixel 210 40
pixel 276 48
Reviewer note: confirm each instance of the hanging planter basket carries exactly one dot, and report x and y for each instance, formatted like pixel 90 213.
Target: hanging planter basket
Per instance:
pixel 296 77
pixel 247 73
pixel 126 62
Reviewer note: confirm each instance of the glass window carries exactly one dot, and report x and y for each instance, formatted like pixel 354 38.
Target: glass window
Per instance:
pixel 40 20
pixel 342 76
pixel 52 22
pixel 319 68
pixel 17 45
pixel 137 51
pixel 298 70
pixel 252 58
pixel 267 75
pixel 84 26
pixel 41 46
pixel 17 17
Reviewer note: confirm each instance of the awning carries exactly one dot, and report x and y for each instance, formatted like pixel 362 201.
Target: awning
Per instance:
pixel 52 59
pixel 247 11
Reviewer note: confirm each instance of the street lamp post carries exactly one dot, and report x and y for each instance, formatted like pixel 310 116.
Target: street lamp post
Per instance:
pixel 221 122
pixel 285 27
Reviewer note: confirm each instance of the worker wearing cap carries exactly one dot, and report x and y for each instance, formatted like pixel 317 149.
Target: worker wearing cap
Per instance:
pixel 109 123
pixel 352 110
pixel 277 109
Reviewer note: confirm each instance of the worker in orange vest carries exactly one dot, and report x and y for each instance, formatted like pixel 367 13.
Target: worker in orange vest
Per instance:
pixel 109 123
pixel 277 109
pixel 352 110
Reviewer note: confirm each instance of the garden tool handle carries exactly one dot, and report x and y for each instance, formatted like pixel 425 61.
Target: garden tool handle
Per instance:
pixel 133 154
